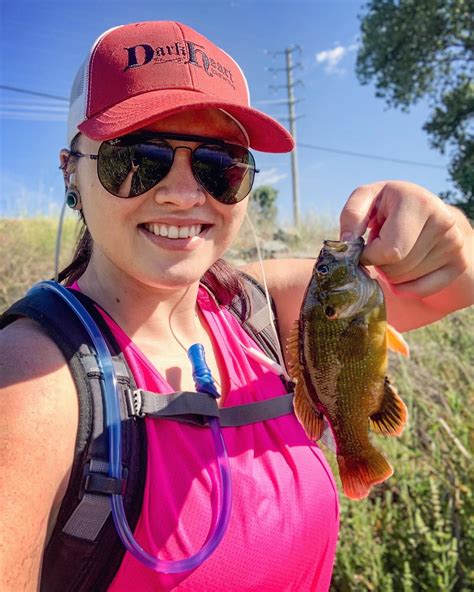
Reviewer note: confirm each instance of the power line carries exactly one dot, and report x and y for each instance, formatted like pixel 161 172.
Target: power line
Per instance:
pixel 311 146
pixel 33 92
pixel 372 156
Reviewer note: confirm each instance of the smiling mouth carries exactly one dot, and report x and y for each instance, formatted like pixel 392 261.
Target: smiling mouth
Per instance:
pixel 175 232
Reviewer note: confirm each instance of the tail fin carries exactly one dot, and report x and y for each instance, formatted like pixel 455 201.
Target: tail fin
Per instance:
pixel 359 473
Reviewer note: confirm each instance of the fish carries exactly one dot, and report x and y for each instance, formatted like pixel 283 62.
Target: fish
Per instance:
pixel 338 352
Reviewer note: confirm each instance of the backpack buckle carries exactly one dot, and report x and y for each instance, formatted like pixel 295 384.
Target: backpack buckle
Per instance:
pixel 134 401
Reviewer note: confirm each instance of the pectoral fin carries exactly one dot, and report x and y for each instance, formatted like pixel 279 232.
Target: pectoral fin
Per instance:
pixel 309 417
pixel 396 342
pixel 392 415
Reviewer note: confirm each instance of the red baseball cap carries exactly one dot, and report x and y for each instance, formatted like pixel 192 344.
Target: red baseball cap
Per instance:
pixel 142 72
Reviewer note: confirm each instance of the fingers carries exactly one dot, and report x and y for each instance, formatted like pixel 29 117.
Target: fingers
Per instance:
pixel 402 215
pixel 414 240
pixel 358 210
pixel 432 251
pixel 429 284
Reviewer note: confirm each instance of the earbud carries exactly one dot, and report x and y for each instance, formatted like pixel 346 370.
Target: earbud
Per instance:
pixel 73 197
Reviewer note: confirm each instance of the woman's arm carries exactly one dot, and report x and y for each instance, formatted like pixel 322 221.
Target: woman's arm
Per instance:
pixel 38 426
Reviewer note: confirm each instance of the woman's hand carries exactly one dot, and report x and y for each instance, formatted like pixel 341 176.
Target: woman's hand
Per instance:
pixel 418 243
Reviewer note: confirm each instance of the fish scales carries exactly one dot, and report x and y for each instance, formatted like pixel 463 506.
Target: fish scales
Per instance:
pixel 339 364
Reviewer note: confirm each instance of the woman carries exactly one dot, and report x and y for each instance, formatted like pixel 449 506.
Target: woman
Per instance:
pixel 155 233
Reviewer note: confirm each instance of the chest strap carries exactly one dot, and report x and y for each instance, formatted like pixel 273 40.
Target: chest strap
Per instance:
pixel 195 408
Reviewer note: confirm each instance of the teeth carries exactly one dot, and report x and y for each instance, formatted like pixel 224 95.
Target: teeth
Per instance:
pixel 174 231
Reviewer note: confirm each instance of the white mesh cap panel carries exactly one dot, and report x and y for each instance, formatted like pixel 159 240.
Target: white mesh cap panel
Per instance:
pixel 79 91
pixel 77 102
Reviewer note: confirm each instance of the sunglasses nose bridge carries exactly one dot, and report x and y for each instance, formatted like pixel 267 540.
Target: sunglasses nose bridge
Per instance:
pixel 180 185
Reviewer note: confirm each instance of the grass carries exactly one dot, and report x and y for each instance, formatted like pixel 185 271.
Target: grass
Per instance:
pixel 415 531
pixel 27 248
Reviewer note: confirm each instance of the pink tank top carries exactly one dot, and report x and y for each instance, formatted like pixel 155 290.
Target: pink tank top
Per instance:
pixel 283 528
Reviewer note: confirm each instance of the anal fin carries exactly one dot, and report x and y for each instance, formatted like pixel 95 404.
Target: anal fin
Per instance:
pixel 392 415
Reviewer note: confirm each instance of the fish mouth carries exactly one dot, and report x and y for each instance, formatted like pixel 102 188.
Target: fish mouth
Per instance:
pixel 345 249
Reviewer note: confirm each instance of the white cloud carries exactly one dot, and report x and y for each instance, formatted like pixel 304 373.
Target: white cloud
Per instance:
pixel 331 58
pixel 269 177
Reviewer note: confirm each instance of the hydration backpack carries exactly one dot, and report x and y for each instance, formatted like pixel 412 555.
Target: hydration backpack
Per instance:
pixel 84 551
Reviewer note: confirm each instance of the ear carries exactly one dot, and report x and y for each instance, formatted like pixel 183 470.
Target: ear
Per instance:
pixel 64 156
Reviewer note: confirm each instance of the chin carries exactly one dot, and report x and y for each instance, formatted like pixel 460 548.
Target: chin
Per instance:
pixel 173 277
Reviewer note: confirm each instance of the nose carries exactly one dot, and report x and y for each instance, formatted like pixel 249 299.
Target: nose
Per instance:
pixel 179 187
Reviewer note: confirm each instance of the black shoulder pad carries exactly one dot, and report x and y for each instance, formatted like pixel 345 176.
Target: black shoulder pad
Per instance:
pixel 258 325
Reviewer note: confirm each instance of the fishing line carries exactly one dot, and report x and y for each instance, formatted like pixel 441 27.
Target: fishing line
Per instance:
pixel 267 295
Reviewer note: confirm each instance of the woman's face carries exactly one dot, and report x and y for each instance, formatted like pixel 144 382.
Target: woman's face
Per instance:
pixel 121 228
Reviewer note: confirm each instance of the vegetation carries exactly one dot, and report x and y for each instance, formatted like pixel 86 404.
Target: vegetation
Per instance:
pixel 424 48
pixel 415 531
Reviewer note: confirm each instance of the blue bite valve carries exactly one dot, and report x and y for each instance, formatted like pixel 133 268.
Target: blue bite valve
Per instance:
pixel 201 372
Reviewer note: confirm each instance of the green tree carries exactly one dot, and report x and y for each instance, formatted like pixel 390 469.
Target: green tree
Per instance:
pixel 412 49
pixel 263 205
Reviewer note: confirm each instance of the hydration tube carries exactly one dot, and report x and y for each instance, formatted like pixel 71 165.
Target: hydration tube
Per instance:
pixel 204 383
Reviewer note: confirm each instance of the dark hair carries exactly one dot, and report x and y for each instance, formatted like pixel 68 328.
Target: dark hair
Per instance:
pixel 221 278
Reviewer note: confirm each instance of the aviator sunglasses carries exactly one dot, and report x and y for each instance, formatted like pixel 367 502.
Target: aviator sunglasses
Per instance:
pixel 132 165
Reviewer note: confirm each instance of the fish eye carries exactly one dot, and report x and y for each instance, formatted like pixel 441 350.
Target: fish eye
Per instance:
pixel 322 269
pixel 329 311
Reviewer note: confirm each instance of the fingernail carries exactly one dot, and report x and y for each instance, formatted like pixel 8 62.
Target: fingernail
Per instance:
pixel 347 237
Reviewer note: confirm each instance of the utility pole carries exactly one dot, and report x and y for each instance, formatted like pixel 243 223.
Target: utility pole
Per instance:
pixel 294 161
pixel 292 117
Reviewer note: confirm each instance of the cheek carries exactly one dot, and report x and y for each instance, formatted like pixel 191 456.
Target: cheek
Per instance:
pixel 235 214
pixel 106 217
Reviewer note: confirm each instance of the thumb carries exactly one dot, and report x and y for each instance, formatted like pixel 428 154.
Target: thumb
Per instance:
pixel 358 210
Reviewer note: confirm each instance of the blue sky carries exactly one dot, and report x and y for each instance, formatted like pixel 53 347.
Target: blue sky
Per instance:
pixel 44 42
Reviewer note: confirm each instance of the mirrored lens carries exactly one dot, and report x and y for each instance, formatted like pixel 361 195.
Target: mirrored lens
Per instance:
pixel 128 167
pixel 226 172
pixel 128 170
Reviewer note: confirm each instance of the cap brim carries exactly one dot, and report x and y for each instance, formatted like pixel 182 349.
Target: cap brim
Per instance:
pixel 265 133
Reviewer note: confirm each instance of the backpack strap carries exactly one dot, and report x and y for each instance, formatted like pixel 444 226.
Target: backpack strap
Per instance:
pixel 259 324
pixel 86 555
pixel 196 408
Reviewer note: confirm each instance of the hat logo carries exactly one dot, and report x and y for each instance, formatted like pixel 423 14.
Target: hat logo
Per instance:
pixel 187 53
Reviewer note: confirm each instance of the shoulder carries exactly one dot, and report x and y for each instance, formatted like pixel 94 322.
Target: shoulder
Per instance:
pixel 38 426
pixel 28 353
pixel 35 380
pixel 25 340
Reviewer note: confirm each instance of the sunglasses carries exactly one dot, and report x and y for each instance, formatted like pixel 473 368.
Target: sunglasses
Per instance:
pixel 131 165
